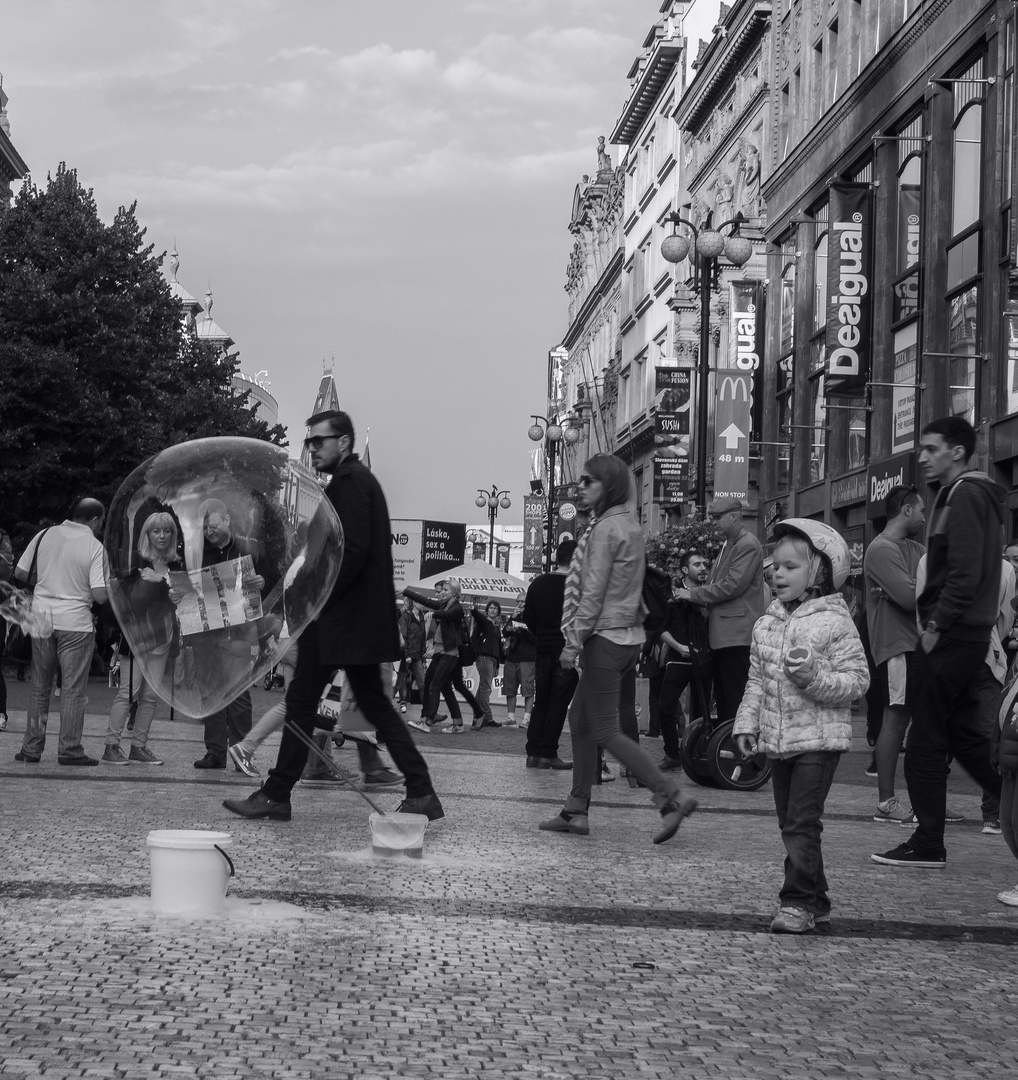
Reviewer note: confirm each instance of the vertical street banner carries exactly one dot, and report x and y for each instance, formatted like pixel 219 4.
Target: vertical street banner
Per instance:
pixel 746 342
pixel 849 302
pixel 671 481
pixel 406 551
pixel 672 402
pixel 533 533
pixel 443 546
pixel 502 556
pixel 904 392
pixel 731 434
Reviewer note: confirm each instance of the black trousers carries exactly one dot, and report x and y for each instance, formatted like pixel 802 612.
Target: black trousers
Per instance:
pixel 228 726
pixel 948 718
pixel 673 722
pixel 302 695
pixel 553 691
pixel 731 673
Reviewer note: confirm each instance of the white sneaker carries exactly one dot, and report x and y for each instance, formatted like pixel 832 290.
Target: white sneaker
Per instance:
pixel 1009 897
pixel 3 721
pixel 420 725
pixel 526 720
pixel 510 721
pixel 893 810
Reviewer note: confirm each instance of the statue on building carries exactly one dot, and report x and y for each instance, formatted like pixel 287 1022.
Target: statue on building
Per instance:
pixel 605 169
pixel 749 179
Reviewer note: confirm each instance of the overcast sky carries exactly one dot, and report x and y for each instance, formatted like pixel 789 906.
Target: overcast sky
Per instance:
pixel 388 183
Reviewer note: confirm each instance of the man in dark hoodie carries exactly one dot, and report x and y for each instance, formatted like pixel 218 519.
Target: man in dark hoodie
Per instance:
pixel 956 611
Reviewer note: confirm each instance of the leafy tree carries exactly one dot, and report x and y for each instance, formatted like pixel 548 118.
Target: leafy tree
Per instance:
pixel 664 549
pixel 96 373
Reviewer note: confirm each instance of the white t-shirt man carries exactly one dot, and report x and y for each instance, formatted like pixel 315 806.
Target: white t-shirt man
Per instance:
pixel 69 567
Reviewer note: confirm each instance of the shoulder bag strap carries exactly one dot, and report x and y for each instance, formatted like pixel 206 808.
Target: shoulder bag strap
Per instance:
pixel 32 573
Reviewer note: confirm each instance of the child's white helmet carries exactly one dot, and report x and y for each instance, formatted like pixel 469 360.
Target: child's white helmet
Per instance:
pixel 828 542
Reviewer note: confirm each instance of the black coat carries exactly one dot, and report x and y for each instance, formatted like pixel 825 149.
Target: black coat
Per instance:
pixel 359 623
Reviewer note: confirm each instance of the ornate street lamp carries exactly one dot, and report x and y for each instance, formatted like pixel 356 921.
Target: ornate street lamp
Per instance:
pixel 552 433
pixel 708 244
pixel 492 500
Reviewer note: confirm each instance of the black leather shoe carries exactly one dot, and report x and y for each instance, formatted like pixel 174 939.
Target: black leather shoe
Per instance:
pixel 22 756
pixel 556 763
pixel 78 759
pixel 258 805
pixel 533 762
pixel 209 761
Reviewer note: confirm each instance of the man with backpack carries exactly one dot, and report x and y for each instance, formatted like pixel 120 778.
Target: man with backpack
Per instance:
pixel 686 659
pixel 734 596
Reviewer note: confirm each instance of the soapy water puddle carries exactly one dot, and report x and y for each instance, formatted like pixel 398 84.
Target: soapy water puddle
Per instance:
pixel 425 862
pixel 249 910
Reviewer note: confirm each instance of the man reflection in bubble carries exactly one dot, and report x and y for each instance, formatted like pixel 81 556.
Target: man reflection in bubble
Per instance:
pixel 356 631
pixel 230 647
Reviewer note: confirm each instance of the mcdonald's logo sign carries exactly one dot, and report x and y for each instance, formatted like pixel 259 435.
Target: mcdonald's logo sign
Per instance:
pixel 733 387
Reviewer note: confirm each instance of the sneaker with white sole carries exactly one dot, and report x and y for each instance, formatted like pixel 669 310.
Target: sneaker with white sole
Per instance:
pixel 906 855
pixel 418 725
pixel 3 721
pixel 1009 897
pixel 113 755
pixel 141 755
pixel 991 826
pixel 792 920
pixel 893 810
pixel 244 760
pixel 951 817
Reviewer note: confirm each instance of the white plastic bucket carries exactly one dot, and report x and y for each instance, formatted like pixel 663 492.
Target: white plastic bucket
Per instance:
pixel 189 871
pixel 398 834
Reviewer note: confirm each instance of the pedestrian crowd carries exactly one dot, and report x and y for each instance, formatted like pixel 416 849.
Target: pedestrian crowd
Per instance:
pixel 770 643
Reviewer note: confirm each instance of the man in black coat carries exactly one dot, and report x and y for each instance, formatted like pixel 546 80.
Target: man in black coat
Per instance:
pixel 357 631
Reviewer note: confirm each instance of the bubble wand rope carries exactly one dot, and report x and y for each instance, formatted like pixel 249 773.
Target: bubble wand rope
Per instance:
pixel 330 764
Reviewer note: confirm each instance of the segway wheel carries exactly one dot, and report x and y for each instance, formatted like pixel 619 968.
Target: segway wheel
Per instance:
pixel 692 754
pixel 729 768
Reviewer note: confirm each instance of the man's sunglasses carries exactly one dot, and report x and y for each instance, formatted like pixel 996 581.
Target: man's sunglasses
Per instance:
pixel 315 441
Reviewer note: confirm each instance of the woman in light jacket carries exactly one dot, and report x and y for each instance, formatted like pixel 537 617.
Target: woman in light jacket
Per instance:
pixel 602 620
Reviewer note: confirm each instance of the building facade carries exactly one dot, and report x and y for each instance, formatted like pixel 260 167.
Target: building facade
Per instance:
pixel 891 248
pixel 12 165
pixel 647 128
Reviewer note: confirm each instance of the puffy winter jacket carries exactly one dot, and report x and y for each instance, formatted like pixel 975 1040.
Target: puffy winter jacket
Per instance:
pixel 788 720
pixel 1004 747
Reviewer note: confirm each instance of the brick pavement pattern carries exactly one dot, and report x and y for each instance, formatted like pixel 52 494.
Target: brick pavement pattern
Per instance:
pixel 504 953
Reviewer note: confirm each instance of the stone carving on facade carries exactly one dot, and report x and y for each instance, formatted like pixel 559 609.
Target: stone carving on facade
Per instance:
pixel 747 180
pixel 796 21
pixel 605 170
pixel 818 12
pixel 724 196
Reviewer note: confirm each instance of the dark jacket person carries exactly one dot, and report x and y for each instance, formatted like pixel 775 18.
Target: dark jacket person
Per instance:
pixel 357 631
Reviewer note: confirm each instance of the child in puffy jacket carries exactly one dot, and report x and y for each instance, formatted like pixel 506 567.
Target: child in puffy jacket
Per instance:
pixel 807 665
pixel 1004 757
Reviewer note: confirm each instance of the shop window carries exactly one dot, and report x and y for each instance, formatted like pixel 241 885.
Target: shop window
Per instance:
pixel 1007 141
pixel 821 219
pixel 963 260
pixel 905 393
pixel 964 345
pixel 967 146
pixel 786 413
pixel 817 433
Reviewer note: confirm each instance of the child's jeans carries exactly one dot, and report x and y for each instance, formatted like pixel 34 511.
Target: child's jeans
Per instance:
pixel 1009 812
pixel 800 787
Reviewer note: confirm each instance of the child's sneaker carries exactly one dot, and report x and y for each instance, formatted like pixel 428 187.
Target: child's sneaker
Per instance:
pixel 894 810
pixel 792 920
pixel 991 826
pixel 1009 897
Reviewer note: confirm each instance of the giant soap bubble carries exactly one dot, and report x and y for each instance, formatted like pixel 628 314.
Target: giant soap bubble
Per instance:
pixel 220 552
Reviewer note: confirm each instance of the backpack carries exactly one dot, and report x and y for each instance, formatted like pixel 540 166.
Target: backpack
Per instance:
pixel 657 593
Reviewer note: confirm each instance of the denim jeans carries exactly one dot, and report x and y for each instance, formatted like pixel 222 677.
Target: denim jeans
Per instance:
pixel 947 719
pixel 1009 812
pixel 439 677
pixel 486 667
pixel 147 702
pixel 553 691
pixel 72 650
pixel 800 786
pixel 409 669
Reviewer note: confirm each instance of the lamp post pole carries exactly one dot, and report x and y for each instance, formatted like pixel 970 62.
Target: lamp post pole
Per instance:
pixel 708 244
pixel 552 432
pixel 492 500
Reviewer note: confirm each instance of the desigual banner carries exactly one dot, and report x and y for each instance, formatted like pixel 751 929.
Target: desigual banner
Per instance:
pixel 849 278
pixel 746 341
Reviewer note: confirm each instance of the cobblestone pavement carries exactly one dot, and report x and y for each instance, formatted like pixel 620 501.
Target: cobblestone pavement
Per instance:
pixel 505 952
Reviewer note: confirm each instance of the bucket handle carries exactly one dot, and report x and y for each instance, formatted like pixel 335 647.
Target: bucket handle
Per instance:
pixel 229 861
